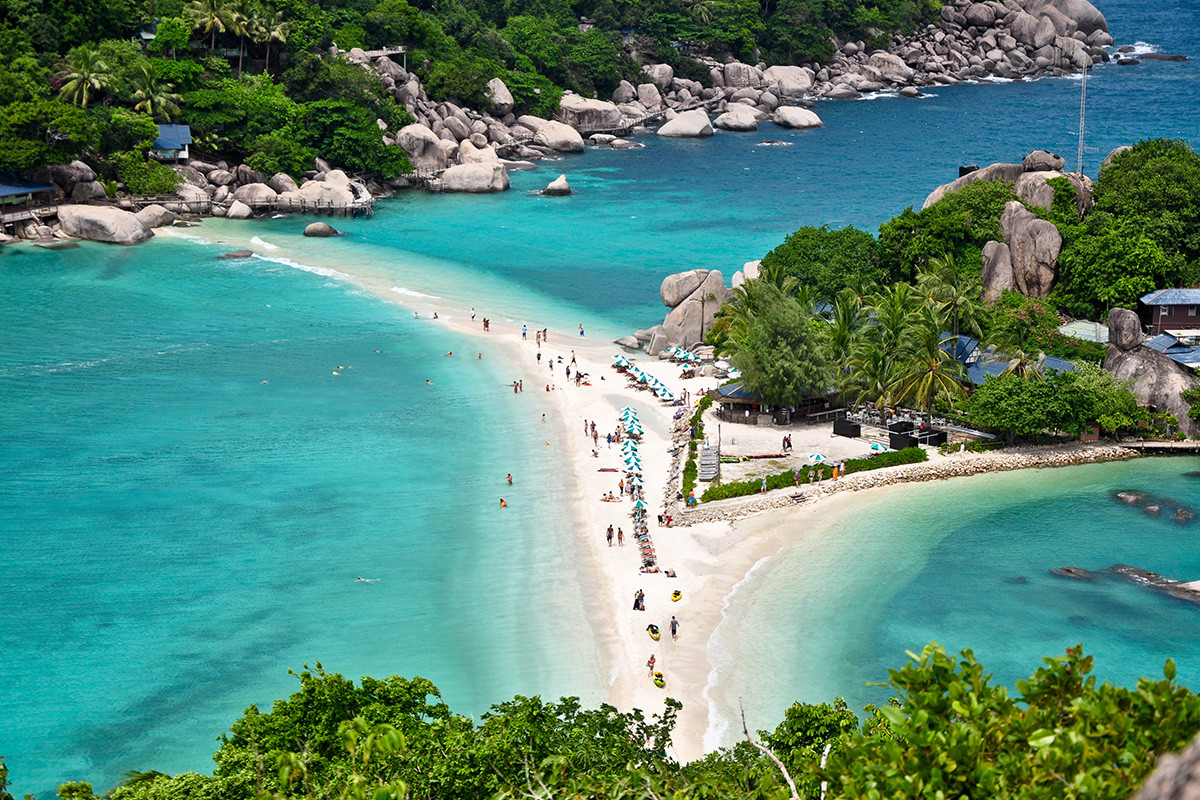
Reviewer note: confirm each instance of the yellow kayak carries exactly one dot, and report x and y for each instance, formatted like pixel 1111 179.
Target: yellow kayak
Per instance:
pixel 654 634
pixel 659 680
pixel 675 595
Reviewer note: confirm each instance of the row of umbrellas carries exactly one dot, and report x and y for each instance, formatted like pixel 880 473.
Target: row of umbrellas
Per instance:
pixel 629 449
pixel 658 387
pixel 683 355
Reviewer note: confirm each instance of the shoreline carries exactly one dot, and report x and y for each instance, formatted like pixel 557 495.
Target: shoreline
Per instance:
pixel 713 551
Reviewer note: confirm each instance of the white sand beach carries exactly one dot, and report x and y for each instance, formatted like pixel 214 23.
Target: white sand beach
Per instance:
pixel 709 558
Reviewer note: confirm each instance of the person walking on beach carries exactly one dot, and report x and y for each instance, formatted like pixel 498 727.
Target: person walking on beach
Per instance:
pixel 763 488
pixel 620 538
pixel 674 629
pixel 472 315
pixel 524 331
pixel 649 663
pixel 581 330
pixel 610 535
pixel 595 437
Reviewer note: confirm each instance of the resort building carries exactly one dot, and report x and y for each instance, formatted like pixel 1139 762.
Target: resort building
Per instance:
pixel 19 199
pixel 1171 310
pixel 172 143
pixel 1184 350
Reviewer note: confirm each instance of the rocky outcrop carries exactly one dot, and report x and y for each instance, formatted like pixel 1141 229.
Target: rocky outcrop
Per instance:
pixel 557 187
pixel 688 125
pixel 320 230
pixel 691 317
pixel 422 147
pixel 1175 777
pixel 796 117
pixel 1034 188
pixel 254 195
pixel 997 271
pixel 748 272
pixel 1042 161
pixel 737 118
pixel 1157 380
pixel 587 114
pixel 1033 246
pixel 103 224
pixel 995 172
pixel 155 216
pixel 475 178
pixel 282 182
pixel 559 137
pixel 499 97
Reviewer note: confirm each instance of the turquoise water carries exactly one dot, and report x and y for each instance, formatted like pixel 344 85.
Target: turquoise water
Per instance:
pixel 175 533
pixel 966 563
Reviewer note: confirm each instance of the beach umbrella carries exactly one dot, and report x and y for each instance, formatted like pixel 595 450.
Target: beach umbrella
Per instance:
pixel 634 430
pixel 630 448
pixel 628 414
pixel 633 458
pixel 879 448
pixel 639 504
pixel 816 458
pixel 636 480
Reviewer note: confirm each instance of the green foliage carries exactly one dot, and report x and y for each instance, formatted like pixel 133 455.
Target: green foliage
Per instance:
pixel 958 225
pixel 533 93
pixel 790 477
pixel 23 79
pixel 172 35
pixel 119 130
pixel 826 261
pixel 462 80
pixel 278 152
pixel 40 132
pixel 145 177
pixel 345 134
pixel 1192 398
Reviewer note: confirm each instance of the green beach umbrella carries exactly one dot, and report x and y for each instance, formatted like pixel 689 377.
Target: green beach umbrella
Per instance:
pixel 879 448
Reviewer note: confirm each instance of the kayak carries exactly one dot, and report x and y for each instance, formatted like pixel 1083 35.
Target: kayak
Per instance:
pixel 675 595
pixel 654 634
pixel 659 680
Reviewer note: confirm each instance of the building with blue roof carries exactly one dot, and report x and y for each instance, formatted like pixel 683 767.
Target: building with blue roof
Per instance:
pixel 19 198
pixel 172 143
pixel 1184 351
pixel 980 364
pixel 1170 310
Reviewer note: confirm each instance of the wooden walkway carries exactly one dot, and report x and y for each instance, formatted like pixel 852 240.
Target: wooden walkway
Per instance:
pixel 268 205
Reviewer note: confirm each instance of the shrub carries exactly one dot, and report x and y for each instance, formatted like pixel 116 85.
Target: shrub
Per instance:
pixel 142 177
pixel 781 480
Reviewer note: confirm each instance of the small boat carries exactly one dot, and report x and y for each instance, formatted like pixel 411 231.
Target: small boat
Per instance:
pixel 659 680
pixel 653 630
pixel 675 595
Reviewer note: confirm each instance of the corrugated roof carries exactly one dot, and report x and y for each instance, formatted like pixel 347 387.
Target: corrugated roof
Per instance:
pixel 1172 297
pixel 961 348
pixel 1086 331
pixel 1172 348
pixel 173 137
pixel 1162 343
pixel 1058 364
pixel 13 185
pixel 983 369
pixel 735 391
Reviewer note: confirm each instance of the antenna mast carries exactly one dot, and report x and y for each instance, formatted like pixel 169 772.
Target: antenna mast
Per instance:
pixel 1082 107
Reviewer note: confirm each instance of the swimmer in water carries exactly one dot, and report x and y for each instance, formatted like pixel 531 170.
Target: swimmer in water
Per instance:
pixel 367 580
pixel 431 383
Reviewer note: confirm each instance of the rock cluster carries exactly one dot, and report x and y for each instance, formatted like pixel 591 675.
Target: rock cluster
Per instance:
pixel 1157 380
pixel 693 298
pixel 239 192
pixel 103 224
pixel 954 467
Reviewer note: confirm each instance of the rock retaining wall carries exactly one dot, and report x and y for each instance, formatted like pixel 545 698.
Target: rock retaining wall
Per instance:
pixel 956 466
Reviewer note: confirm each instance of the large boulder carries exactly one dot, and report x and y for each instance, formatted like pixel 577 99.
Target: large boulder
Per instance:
pixel 587 114
pixel 686 324
pixel 981 15
pixel 796 117
pixel 559 137
pixel 676 288
pixel 737 118
pixel 890 67
pixel 737 75
pixel 624 93
pixel 995 172
pixel 282 182
pixel 1116 151
pixel 155 216
pixel 1085 15
pixel 192 175
pixel 748 272
pixel 468 153
pixel 659 74
pixel 649 96
pixel 65 176
pixel 1157 380
pixel 221 177
pixel 531 122
pixel 475 178
pixel 792 81
pixel 1033 245
pixel 457 128
pixel 103 224
pixel 246 175
pixel 88 190
pixel 1041 161
pixel 239 210
pixel 422 146
pixel 996 272
pixel 194 200
pixel 1035 189
pixel 320 230
pixel 558 187
pixel 690 124
pixel 499 97
pixel 255 194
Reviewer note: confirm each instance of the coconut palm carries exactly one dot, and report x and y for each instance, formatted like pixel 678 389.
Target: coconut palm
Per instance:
pixel 870 375
pixel 702 10
pixel 941 283
pixel 844 323
pixel 152 96
pixel 85 76
pixel 264 30
pixel 927 369
pixel 892 310
pixel 214 16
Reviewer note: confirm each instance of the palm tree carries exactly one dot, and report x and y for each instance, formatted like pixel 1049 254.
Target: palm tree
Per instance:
pixel 241 17
pixel 892 311
pixel 214 16
pixel 928 369
pixel 152 96
pixel 870 375
pixel 266 30
pixel 955 294
pixel 702 10
pixel 86 74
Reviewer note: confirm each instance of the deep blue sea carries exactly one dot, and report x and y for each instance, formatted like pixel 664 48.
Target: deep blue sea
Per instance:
pixel 201 456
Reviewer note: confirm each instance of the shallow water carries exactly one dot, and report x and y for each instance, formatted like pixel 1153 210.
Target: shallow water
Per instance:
pixel 175 533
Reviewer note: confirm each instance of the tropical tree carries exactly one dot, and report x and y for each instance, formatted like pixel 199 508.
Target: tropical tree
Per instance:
pixel 870 375
pixel 214 16
pixel 892 310
pixel 153 96
pixel 264 30
pixel 86 75
pixel 953 292
pixel 701 10
pixel 928 369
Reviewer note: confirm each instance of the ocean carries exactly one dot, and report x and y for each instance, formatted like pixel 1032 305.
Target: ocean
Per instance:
pixel 203 455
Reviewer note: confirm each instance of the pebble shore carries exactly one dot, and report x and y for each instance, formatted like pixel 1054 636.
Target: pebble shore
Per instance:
pixel 957 465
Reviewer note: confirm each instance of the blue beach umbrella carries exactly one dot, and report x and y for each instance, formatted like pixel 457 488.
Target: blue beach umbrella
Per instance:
pixel 816 458
pixel 639 504
pixel 879 448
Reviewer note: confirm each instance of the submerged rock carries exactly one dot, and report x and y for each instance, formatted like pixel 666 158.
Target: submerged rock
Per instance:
pixel 320 230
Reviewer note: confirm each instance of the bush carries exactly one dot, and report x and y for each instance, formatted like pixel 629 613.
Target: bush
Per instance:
pixel 782 480
pixel 690 470
pixel 142 177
